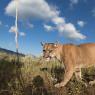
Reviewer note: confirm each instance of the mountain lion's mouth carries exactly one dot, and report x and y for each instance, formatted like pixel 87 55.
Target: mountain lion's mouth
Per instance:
pixel 48 58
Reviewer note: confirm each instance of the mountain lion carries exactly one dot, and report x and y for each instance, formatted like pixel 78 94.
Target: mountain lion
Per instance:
pixel 74 57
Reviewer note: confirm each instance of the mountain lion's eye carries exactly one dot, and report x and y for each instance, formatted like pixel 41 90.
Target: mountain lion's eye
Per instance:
pixel 50 50
pixel 44 50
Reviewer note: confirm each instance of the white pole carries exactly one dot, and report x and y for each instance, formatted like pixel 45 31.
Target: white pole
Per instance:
pixel 16 31
pixel 16 26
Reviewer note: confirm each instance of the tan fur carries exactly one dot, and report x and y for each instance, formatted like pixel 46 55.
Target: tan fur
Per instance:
pixel 74 57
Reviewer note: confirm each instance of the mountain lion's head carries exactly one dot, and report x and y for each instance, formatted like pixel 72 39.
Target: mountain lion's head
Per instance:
pixel 50 51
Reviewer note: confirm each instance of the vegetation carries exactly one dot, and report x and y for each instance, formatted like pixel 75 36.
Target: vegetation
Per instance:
pixel 33 77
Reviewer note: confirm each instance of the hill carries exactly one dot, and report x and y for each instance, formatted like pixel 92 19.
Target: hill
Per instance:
pixel 2 50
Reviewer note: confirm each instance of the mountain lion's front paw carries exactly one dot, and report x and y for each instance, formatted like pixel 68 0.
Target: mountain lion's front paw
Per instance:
pixel 58 85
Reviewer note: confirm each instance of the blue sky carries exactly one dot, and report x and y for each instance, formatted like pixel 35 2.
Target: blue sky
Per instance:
pixel 68 21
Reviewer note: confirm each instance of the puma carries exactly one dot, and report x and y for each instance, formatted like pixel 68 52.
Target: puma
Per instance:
pixel 74 57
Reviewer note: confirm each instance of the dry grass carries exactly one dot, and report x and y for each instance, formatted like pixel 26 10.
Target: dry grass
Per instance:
pixel 34 78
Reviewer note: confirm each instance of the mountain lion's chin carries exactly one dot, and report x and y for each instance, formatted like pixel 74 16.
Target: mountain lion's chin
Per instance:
pixel 48 59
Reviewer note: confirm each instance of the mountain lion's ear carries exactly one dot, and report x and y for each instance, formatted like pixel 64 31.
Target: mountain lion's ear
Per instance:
pixel 42 43
pixel 55 45
pixel 57 42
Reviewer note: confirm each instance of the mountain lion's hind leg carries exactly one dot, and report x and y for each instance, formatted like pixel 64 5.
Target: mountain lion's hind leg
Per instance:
pixel 92 82
pixel 78 74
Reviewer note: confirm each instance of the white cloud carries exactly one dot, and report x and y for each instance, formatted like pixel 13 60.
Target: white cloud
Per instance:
pixel 93 12
pixel 71 32
pixel 22 34
pixel 0 23
pixel 12 29
pixel 73 2
pixel 41 9
pixel 81 23
pixel 58 20
pixel 30 25
pixel 68 29
pixel 48 27
pixel 31 8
